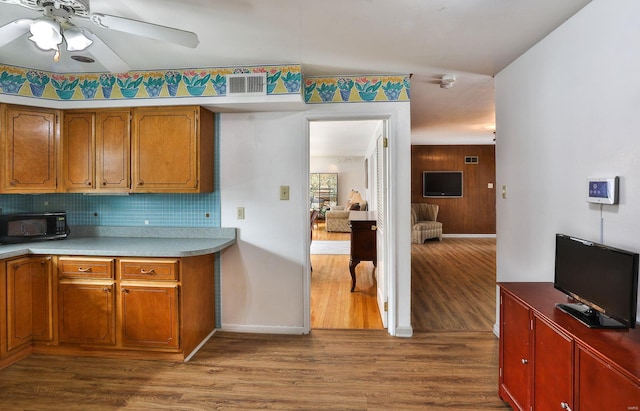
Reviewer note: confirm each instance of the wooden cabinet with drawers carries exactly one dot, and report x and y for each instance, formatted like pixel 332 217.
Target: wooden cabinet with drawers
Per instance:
pixel 135 304
pixel 149 302
pixel 86 300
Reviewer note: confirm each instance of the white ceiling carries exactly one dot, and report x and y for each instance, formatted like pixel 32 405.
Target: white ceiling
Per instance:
pixel 472 39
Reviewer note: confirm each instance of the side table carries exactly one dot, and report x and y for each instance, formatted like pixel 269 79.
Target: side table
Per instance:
pixel 363 240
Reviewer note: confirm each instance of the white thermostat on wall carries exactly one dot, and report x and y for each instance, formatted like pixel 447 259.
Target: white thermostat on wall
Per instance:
pixel 603 190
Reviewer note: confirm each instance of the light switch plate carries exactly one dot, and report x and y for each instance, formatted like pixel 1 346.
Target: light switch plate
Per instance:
pixel 240 213
pixel 284 192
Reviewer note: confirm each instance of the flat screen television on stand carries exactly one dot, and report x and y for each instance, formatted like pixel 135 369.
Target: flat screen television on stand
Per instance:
pixel 602 281
pixel 442 183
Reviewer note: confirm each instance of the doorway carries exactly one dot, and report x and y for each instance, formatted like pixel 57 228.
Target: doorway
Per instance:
pixel 348 148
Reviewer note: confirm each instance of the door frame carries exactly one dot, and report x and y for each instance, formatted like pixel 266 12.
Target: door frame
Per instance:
pixel 388 252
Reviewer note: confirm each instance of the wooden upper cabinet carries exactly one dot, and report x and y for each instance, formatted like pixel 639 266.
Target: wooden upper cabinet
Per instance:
pixel 113 147
pixel 96 151
pixel 78 147
pixel 172 149
pixel 29 150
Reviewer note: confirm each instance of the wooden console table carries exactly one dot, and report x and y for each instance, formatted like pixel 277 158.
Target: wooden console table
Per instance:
pixel 363 240
pixel 548 360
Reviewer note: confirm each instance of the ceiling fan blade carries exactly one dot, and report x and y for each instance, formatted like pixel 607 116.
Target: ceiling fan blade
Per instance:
pixel 154 31
pixel 13 30
pixel 105 55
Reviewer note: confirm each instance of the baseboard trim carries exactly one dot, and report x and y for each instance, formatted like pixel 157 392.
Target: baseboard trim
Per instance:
pixel 469 235
pixel 262 329
pixel 404 332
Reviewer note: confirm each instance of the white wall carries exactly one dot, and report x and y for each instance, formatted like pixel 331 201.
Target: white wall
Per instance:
pixel 350 171
pixel 264 276
pixel 566 110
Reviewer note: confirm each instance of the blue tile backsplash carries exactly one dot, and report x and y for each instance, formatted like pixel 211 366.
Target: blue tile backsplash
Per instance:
pixel 166 210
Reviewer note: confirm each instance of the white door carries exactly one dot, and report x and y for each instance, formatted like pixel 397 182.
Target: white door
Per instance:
pixel 381 207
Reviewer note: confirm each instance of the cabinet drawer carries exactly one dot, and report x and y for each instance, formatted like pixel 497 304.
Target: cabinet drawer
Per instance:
pixel 85 268
pixel 149 270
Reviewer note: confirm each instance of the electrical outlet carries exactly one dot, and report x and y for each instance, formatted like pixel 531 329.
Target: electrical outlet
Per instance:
pixel 504 191
pixel 240 213
pixel 284 192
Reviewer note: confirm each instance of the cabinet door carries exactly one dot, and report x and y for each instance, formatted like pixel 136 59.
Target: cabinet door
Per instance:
pixel 29 292
pixel 600 387
pixel 29 147
pixel 553 367
pixel 79 148
pixel 165 149
pixel 149 316
pixel 113 146
pixel 515 356
pixel 86 314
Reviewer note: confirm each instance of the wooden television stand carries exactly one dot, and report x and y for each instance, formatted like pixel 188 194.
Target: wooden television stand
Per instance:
pixel 549 360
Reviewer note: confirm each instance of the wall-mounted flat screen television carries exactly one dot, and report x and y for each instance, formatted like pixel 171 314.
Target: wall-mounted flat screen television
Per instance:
pixel 602 281
pixel 442 183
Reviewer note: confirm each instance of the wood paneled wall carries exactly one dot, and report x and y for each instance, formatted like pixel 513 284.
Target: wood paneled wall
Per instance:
pixel 475 212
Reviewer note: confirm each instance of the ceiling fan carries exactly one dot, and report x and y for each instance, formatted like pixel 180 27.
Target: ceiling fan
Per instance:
pixel 58 23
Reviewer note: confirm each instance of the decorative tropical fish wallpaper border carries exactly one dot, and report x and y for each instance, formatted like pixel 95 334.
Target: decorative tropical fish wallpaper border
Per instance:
pixel 202 82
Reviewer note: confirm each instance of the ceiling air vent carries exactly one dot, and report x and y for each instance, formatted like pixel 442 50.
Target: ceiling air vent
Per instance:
pixel 247 84
pixel 471 160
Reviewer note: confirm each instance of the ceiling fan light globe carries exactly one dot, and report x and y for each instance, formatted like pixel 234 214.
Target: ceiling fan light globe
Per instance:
pixel 76 40
pixel 46 34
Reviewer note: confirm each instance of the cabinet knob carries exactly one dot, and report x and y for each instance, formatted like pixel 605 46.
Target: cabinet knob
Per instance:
pixel 89 183
pixel 525 361
pixel 106 289
pixel 14 182
pixel 374 228
pixel 140 183
pixel 104 182
pixel 565 406
pixel 125 291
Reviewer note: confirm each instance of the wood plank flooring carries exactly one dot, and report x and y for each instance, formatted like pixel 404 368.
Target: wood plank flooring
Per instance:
pixel 452 282
pixel 325 370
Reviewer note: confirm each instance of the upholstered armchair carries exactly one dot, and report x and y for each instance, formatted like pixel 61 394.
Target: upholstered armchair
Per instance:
pixel 423 222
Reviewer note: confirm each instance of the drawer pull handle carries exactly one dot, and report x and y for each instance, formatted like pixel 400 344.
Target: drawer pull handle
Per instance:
pixel 149 272
pixel 565 406
pixel 525 361
pixel 84 270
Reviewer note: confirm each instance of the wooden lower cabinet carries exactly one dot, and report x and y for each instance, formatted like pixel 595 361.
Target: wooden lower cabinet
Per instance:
pixel 552 367
pixel 149 316
pixel 86 300
pixel 549 361
pixel 163 305
pixel 515 352
pixel 29 301
pixel 600 387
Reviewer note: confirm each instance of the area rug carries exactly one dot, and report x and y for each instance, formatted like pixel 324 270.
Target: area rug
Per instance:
pixel 330 247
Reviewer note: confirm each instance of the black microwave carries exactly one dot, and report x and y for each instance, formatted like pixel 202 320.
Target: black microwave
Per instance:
pixel 24 227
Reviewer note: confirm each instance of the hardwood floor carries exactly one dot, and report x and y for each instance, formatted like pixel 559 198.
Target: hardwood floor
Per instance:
pixel 325 370
pixel 452 286
pixel 333 305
